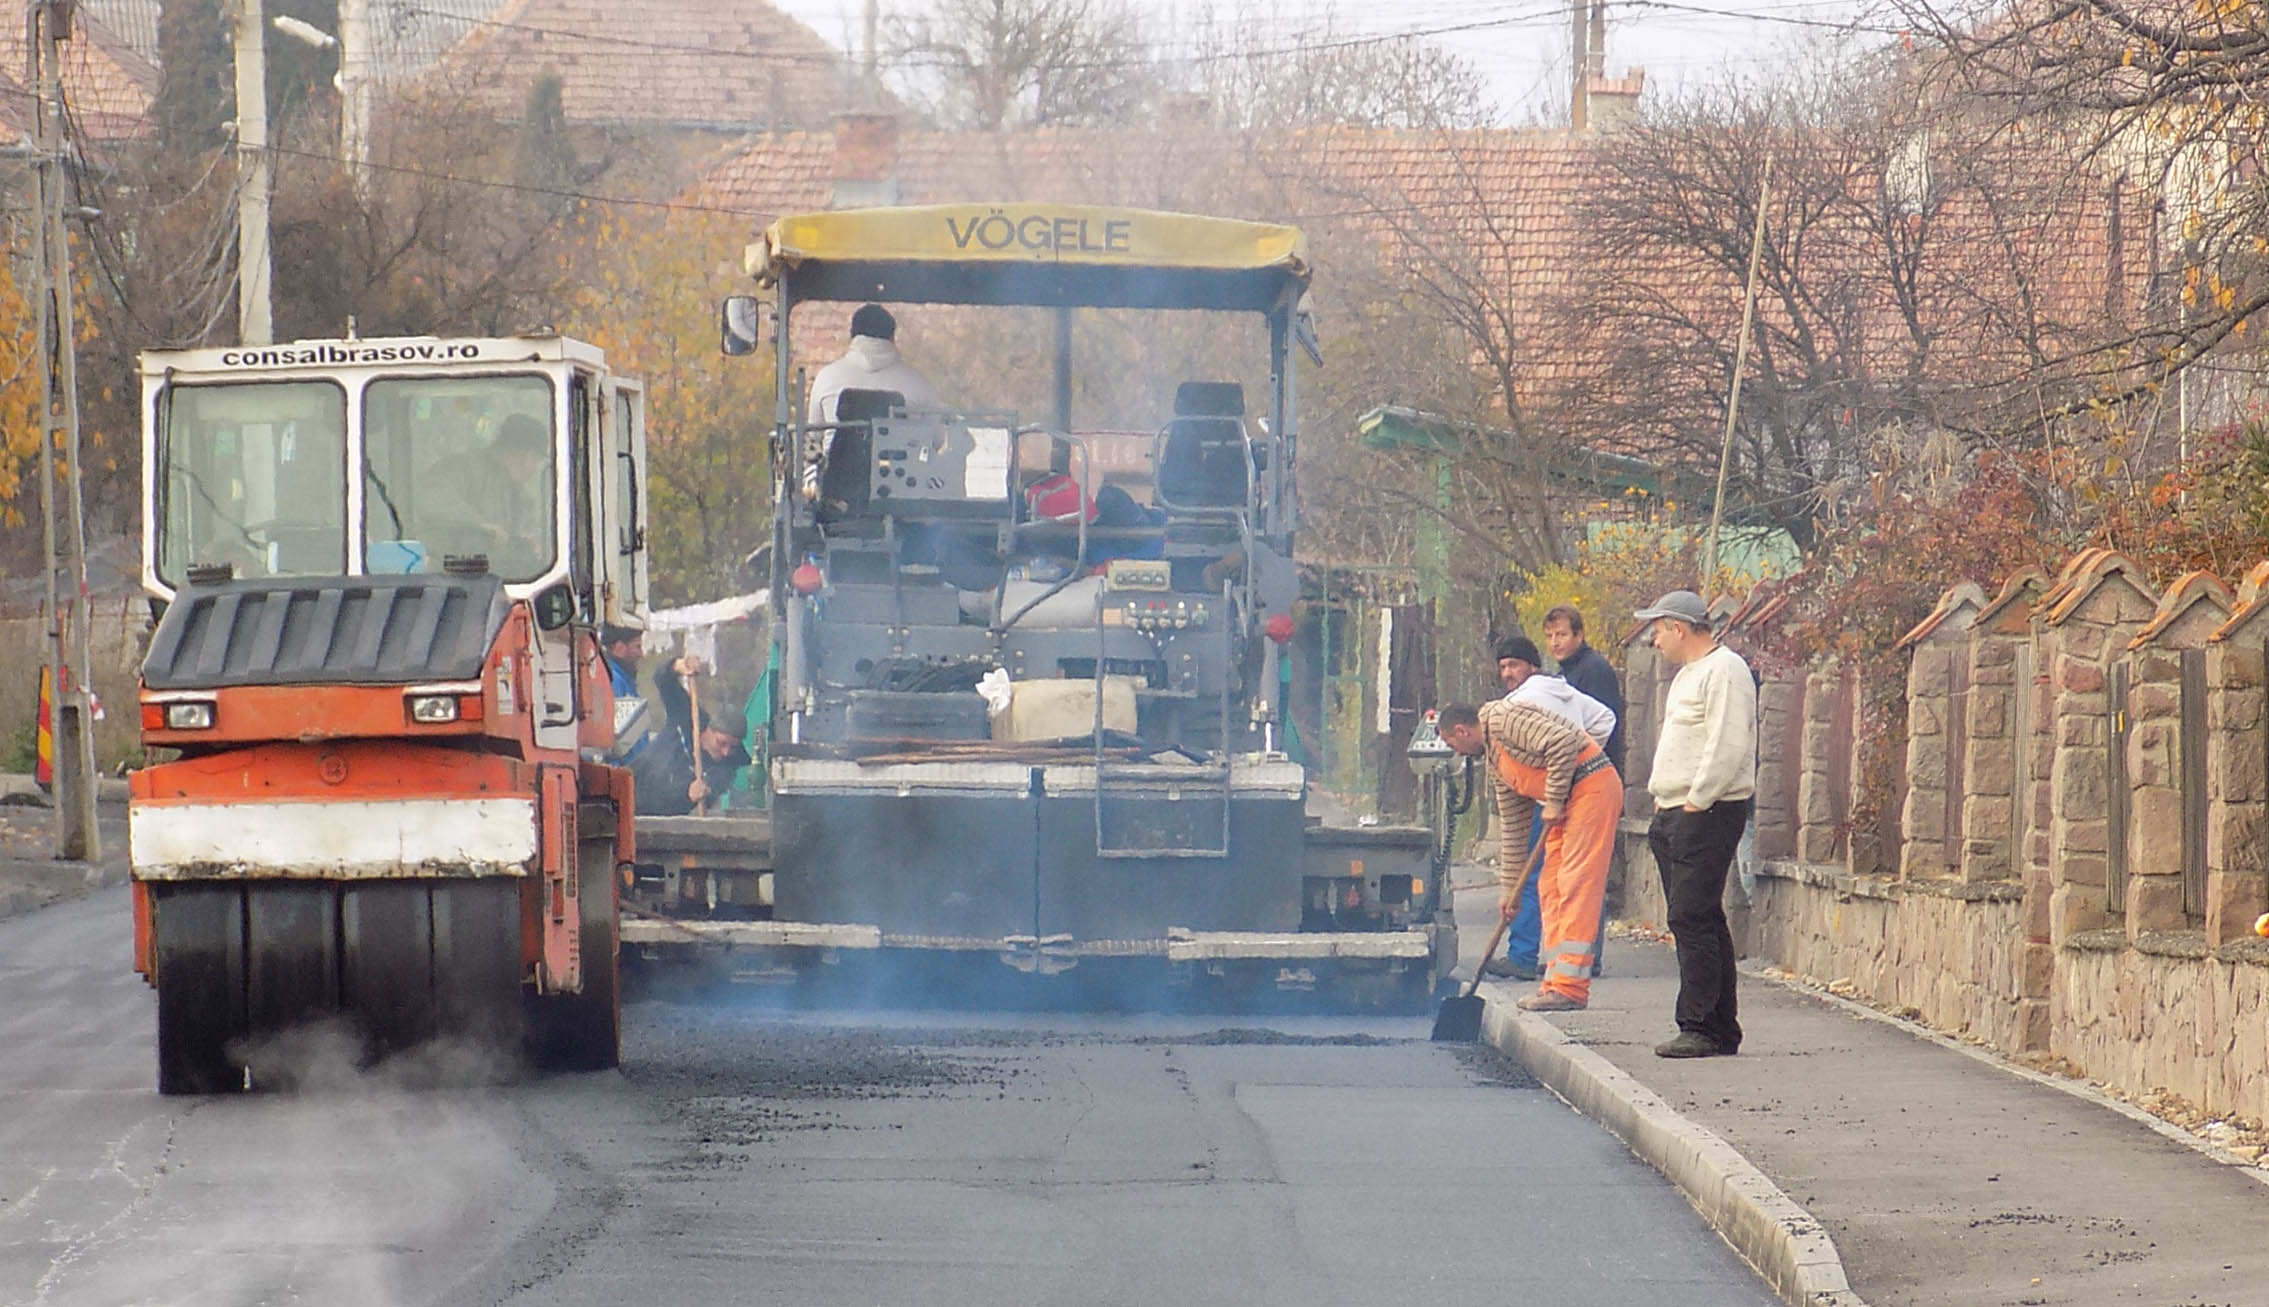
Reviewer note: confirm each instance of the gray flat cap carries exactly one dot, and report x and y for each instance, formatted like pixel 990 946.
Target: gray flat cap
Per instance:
pixel 1684 605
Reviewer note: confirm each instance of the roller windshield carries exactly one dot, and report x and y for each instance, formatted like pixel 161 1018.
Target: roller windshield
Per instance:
pixel 459 467
pixel 253 476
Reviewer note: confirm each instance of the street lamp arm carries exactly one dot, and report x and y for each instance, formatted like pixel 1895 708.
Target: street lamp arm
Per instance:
pixel 304 32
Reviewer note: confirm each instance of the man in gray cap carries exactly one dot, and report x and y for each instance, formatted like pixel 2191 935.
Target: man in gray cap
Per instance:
pixel 1704 780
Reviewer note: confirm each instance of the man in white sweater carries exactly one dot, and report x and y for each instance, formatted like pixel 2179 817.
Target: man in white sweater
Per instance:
pixel 1704 780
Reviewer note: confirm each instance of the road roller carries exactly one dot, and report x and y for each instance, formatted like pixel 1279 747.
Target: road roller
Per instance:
pixel 375 706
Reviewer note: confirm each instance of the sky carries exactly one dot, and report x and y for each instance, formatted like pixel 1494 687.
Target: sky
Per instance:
pixel 1521 46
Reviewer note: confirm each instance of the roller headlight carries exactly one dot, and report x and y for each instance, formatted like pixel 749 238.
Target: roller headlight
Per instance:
pixel 433 709
pixel 194 715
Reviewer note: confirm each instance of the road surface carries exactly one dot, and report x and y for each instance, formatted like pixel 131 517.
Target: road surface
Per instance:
pixel 743 1155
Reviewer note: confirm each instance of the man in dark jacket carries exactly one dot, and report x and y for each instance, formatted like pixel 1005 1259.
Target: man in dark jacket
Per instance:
pixel 1582 667
pixel 668 785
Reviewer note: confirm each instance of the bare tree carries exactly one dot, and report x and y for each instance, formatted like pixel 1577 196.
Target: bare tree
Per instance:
pixel 1920 270
pixel 2167 100
pixel 996 65
pixel 1256 75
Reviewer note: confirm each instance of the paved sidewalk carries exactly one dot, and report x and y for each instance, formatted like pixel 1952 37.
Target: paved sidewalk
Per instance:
pixel 31 878
pixel 1943 1177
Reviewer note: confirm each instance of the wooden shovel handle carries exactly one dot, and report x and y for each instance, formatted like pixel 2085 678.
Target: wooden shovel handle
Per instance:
pixel 1505 923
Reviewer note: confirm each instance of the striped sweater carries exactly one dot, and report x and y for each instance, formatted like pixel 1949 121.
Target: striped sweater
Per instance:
pixel 1538 738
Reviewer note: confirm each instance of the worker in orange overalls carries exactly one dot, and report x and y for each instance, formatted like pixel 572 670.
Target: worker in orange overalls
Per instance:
pixel 1542 764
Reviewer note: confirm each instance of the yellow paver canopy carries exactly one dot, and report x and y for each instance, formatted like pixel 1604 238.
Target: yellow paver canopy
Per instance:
pixel 1033 254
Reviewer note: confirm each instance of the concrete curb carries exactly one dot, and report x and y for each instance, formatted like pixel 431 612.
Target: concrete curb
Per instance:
pixel 17 788
pixel 1771 1231
pixel 23 900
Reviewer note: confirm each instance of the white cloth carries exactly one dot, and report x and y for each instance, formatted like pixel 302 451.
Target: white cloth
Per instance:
pixel 1707 751
pixel 1578 709
pixel 870 364
pixel 695 625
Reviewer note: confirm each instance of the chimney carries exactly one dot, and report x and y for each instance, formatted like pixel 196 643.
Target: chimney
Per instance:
pixel 1614 100
pixel 866 160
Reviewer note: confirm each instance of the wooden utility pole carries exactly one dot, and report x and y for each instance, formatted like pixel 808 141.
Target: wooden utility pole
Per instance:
pixel 254 325
pixel 64 533
pixel 357 73
pixel 1740 366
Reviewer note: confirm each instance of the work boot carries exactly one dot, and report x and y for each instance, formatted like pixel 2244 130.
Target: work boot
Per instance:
pixel 1689 1044
pixel 1550 1001
pixel 1508 968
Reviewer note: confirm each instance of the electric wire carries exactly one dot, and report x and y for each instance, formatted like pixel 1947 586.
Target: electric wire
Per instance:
pixel 1550 14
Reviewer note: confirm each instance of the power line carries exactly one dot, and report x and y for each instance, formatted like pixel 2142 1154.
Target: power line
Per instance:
pixel 1158 54
pixel 529 188
pixel 1761 16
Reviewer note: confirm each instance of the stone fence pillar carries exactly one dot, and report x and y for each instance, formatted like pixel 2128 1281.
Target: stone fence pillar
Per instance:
pixel 2237 765
pixel 1938 686
pixel 2166 757
pixel 1823 791
pixel 2002 723
pixel 1780 763
pixel 2099 604
pixel 1646 681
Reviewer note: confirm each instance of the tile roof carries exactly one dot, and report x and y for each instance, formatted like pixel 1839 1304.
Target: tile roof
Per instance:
pixel 2252 602
pixel 1395 195
pixel 1964 595
pixel 1502 214
pixel 107 86
pixel 2189 590
pixel 2088 572
pixel 720 65
pixel 2015 601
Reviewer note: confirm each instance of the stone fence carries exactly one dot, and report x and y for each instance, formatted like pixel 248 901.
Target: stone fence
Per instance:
pixel 2073 860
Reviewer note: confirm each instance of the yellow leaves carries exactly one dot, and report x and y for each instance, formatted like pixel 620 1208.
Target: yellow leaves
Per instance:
pixel 648 297
pixel 19 387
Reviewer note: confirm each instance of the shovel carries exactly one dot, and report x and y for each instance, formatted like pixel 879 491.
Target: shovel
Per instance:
pixel 1459 1021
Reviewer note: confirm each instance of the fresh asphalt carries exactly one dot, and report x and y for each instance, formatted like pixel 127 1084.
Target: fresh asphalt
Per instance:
pixel 745 1155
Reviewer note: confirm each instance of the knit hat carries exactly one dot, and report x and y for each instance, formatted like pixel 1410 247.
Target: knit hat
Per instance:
pixel 1519 648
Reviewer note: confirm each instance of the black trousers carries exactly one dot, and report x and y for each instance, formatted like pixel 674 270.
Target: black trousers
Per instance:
pixel 1693 851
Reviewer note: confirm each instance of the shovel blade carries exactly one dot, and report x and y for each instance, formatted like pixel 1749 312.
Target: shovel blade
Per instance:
pixel 1459 1021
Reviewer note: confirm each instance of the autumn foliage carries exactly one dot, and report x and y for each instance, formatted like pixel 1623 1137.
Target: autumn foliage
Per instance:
pixel 649 287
